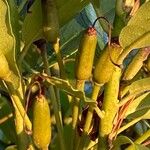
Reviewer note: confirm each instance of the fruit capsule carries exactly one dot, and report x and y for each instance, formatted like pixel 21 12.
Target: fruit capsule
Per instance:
pixel 41 123
pixel 85 55
pixel 104 67
pixel 136 64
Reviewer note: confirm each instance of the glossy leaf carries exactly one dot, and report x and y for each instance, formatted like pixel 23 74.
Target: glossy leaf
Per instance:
pixel 8 40
pixel 139 86
pixel 142 15
pixel 65 86
pixel 139 104
pixel 137 33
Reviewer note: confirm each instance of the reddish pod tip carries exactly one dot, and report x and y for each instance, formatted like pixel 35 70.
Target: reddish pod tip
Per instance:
pixel 91 31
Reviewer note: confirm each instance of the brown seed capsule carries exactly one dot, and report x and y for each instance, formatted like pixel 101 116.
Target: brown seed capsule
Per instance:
pixel 85 56
pixel 41 123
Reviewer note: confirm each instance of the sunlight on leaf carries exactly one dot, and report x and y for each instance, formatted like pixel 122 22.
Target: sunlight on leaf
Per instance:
pixel 138 28
pixel 65 86
pixel 139 104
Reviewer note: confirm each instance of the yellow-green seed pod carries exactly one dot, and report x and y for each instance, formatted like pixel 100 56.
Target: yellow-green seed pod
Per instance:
pixel 41 123
pixel 136 64
pixel 85 56
pixel 104 67
pixel 50 20
pixel 110 102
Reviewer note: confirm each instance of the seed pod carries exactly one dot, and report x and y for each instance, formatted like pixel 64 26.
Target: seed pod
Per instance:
pixel 41 123
pixel 110 102
pixel 85 56
pixel 104 67
pixel 136 64
pixel 50 20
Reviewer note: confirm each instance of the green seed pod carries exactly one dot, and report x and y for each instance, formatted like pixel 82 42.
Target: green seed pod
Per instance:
pixel 110 102
pixel 41 123
pixel 50 20
pixel 136 64
pixel 85 56
pixel 104 67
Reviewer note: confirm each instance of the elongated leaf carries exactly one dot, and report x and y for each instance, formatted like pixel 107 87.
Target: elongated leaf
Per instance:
pixel 135 36
pixel 121 140
pixel 138 86
pixel 140 147
pixel 8 39
pixel 71 6
pixel 137 32
pixel 141 16
pixel 140 107
pixel 139 104
pixel 7 127
pixel 32 27
pixel 65 86
pixel 137 147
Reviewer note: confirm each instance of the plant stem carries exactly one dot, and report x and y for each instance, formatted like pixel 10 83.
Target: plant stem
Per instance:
pixel 22 137
pixel 56 107
pixel 20 119
pixel 88 121
pixel 141 139
pixel 76 102
pixel 89 116
pixel 16 100
pixel 110 107
pixel 75 112
pixel 4 119
pixel 56 48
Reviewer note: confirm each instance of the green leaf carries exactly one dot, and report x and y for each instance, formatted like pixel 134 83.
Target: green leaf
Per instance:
pixel 140 147
pixel 71 6
pixel 8 40
pixel 7 127
pixel 106 9
pixel 137 33
pixel 12 147
pixel 139 86
pixel 135 36
pixel 121 140
pixel 32 26
pixel 139 104
pixel 141 16
pixel 65 86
